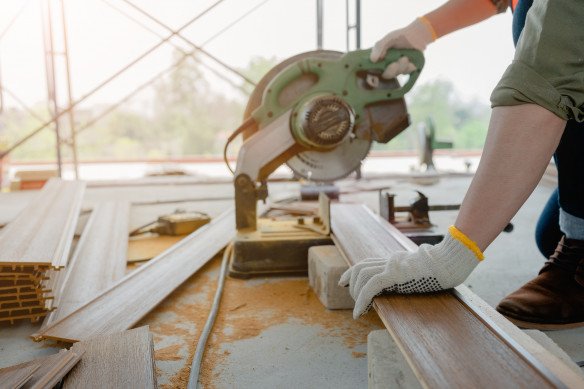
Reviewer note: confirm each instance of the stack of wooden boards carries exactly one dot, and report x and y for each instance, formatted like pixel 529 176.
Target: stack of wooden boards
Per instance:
pixel 86 297
pixel 121 360
pixel 35 247
pixel 89 294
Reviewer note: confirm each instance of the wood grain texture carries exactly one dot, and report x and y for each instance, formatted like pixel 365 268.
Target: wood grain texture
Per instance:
pixel 43 231
pixel 50 370
pixel 570 377
pixel 15 377
pixel 119 360
pixel 446 343
pixel 132 297
pixel 98 261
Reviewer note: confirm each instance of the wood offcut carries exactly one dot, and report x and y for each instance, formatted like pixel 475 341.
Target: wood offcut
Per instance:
pixel 41 373
pixel 449 339
pixel 131 298
pixel 98 262
pixel 15 377
pixel 120 360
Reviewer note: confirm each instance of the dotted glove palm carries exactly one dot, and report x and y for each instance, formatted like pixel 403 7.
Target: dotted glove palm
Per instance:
pixel 429 269
pixel 417 35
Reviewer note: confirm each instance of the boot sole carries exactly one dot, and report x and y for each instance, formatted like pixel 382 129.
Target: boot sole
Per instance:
pixel 542 326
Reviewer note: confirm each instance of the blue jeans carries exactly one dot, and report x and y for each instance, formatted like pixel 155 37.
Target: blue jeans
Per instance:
pixel 569 158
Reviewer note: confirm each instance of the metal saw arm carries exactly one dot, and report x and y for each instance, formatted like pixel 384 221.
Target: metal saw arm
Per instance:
pixel 258 157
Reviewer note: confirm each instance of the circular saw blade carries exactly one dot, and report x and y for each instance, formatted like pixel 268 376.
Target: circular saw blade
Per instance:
pixel 312 165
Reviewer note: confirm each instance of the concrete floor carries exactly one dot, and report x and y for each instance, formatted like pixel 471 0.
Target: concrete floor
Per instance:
pixel 274 332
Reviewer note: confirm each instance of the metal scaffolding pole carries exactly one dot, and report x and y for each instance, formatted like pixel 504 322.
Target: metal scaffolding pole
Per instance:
pixel 50 76
pixel 114 76
pixel 71 114
pixel 58 99
pixel 354 27
pixel 319 24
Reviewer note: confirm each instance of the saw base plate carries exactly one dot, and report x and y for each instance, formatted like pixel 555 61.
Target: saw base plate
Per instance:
pixel 275 248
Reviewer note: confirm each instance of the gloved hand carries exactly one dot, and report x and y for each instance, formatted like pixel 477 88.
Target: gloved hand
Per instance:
pixel 417 35
pixel 429 269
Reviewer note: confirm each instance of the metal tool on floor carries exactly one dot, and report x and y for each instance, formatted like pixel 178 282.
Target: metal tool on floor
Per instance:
pixel 414 219
pixel 319 113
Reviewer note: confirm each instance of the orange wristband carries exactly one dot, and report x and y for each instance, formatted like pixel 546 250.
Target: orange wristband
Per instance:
pixel 465 240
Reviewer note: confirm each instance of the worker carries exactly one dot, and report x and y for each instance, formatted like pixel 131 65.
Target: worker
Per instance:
pixel 537 111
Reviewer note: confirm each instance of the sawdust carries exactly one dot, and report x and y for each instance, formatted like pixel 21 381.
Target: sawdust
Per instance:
pixel 357 354
pixel 169 353
pixel 247 309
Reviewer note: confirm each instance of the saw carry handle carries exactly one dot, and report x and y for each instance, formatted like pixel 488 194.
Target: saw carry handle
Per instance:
pixel 339 77
pixel 362 62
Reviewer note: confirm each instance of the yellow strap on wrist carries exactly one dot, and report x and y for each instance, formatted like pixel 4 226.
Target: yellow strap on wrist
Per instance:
pixel 465 240
pixel 430 27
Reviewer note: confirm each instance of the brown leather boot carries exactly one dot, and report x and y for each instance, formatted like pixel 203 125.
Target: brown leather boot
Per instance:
pixel 555 298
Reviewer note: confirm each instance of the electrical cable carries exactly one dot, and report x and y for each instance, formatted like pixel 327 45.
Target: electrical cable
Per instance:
pixel 202 342
pixel 249 122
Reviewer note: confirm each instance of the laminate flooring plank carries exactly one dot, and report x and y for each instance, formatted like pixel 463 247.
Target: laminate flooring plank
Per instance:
pixel 43 231
pixel 446 343
pixel 98 262
pixel 132 297
pixel 119 360
pixel 47 371
pixel 14 377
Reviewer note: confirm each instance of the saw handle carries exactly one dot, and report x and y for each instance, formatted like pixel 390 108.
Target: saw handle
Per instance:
pixel 362 57
pixel 338 77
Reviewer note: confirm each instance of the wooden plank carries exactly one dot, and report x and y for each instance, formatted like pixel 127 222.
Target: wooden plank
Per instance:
pixel 98 261
pixel 43 231
pixel 32 317
pixel 517 338
pixel 47 371
pixel 15 377
pixel 132 297
pixel 448 343
pixel 119 360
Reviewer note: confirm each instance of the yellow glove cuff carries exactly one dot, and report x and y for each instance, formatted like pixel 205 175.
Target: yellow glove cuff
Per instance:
pixel 425 20
pixel 465 240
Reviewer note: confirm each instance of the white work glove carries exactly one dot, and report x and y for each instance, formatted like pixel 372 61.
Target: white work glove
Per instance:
pixel 417 35
pixel 429 269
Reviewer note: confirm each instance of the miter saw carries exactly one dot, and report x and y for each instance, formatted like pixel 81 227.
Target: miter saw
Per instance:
pixel 319 113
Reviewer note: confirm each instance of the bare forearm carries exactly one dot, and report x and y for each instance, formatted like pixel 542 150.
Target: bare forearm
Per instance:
pixel 457 14
pixel 519 145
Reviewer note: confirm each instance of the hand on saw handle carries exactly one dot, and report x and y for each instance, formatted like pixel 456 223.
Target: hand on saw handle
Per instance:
pixel 452 16
pixel 429 269
pixel 417 35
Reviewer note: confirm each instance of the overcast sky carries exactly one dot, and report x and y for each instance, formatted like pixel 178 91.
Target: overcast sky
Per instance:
pixel 101 41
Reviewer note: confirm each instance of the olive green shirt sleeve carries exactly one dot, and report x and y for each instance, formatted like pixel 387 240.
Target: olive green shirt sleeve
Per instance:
pixel 548 68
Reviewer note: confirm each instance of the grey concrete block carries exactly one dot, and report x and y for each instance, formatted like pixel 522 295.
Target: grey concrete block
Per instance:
pixel 386 364
pixel 325 267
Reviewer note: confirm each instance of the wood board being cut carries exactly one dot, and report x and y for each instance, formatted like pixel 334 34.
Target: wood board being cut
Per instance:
pixel 450 339
pixel 131 298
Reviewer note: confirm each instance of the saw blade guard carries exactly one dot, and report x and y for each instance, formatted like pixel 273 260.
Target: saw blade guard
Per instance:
pixel 377 117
